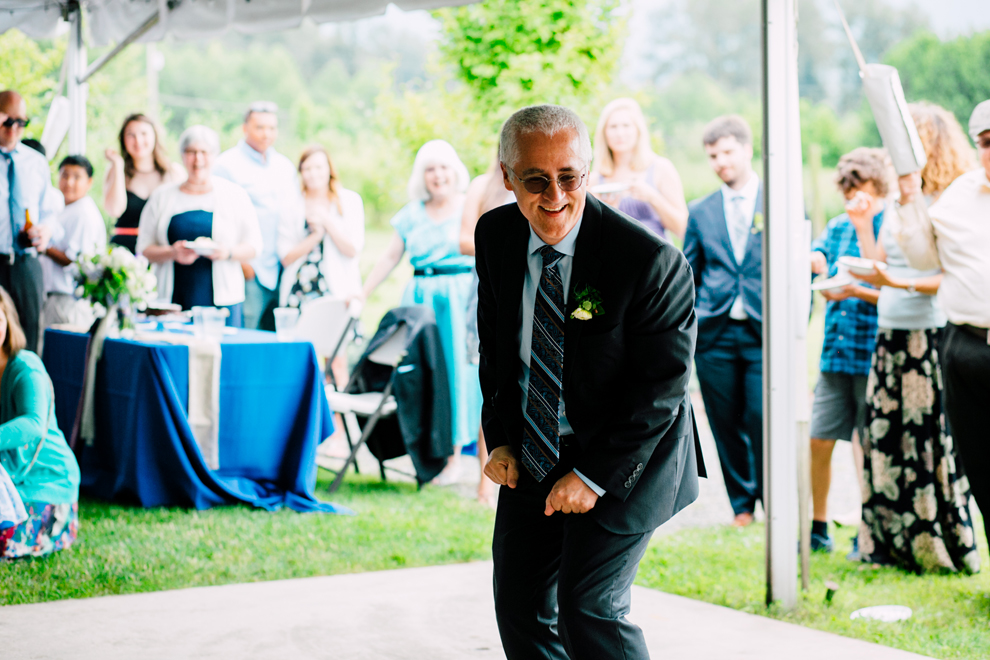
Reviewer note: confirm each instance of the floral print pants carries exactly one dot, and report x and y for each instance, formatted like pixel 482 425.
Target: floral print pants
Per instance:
pixel 916 496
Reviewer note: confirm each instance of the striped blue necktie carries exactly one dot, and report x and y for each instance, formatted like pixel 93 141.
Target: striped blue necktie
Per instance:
pixel 541 432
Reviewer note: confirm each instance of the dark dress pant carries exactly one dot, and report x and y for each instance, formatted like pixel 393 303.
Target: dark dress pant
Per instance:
pixel 562 583
pixel 24 281
pixel 730 372
pixel 966 375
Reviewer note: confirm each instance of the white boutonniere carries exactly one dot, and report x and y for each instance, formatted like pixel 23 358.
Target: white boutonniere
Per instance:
pixel 757 223
pixel 589 303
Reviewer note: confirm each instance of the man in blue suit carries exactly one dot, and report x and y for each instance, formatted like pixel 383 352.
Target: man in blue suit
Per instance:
pixel 724 245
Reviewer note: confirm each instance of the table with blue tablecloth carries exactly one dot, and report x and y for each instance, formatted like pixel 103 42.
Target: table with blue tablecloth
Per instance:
pixel 273 414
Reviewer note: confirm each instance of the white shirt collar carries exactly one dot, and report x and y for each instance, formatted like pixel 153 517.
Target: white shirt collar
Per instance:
pixel 566 245
pixel 748 192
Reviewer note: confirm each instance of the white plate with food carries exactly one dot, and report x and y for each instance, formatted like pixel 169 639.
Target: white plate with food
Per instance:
pixel 861 266
pixel 609 188
pixel 831 284
pixel 203 246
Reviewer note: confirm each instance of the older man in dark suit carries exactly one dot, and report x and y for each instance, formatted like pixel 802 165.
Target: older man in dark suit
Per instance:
pixel 724 245
pixel 587 330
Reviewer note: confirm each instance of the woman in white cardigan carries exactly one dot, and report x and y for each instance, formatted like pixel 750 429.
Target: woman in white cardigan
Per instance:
pixel 197 233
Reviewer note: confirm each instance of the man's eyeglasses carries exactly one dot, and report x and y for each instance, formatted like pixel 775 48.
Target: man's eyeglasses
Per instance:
pixel 537 184
pixel 16 121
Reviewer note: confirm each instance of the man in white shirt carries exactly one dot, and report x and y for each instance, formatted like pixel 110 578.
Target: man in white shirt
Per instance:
pixel 270 180
pixel 961 223
pixel 83 232
pixel 724 245
pixel 26 196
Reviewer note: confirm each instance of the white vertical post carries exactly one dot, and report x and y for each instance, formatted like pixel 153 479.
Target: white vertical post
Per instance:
pixel 77 92
pixel 153 60
pixel 786 299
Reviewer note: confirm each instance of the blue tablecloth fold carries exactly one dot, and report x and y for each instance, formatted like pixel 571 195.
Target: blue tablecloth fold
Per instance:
pixel 273 414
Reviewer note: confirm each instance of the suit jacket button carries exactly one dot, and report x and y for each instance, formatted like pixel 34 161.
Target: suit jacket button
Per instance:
pixel 629 483
pixel 639 467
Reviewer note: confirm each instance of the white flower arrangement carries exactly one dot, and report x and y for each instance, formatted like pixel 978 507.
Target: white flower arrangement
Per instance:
pixel 114 277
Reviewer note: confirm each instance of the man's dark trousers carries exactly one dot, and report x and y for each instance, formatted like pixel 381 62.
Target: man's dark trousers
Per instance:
pixel 730 372
pixel 584 590
pixel 24 282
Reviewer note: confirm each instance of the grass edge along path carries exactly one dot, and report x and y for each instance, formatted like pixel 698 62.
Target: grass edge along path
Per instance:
pixel 725 566
pixel 127 549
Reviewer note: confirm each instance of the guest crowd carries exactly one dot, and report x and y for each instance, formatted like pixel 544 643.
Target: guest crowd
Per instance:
pixel 905 363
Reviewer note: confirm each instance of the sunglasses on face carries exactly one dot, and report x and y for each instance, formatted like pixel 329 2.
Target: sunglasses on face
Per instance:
pixel 16 121
pixel 537 184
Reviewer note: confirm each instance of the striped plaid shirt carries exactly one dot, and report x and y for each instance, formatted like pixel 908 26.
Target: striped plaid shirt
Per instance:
pixel 850 324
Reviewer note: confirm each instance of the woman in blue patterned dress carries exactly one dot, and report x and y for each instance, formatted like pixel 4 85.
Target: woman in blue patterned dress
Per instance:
pixel 428 227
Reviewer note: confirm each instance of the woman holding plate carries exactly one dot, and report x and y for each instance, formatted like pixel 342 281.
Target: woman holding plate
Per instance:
pixel 630 177
pixel 916 495
pixel 198 232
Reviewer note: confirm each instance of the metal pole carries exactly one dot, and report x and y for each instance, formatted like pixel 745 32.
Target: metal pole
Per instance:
pixel 124 43
pixel 786 294
pixel 77 90
pixel 152 67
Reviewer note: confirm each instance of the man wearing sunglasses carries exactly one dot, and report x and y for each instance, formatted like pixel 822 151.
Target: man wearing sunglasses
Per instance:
pixel 957 233
pixel 587 330
pixel 26 192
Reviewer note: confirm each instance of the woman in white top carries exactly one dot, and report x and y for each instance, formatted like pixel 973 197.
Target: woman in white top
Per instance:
pixel 321 252
pixel 197 233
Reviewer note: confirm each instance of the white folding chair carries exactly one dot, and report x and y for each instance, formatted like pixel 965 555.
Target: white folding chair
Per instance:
pixel 370 405
pixel 327 323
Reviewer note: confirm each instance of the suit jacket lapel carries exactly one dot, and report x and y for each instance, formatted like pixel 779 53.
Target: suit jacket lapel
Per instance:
pixel 754 244
pixel 514 267
pixel 587 263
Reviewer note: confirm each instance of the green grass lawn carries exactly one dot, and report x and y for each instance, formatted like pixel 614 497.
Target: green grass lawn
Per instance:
pixel 123 549
pixel 725 566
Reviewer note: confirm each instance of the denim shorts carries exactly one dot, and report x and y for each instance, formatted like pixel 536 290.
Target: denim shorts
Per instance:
pixel 839 407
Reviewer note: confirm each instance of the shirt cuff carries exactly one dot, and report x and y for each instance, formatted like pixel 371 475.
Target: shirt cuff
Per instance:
pixel 599 491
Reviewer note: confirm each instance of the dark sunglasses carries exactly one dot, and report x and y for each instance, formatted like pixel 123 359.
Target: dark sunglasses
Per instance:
pixel 537 184
pixel 14 121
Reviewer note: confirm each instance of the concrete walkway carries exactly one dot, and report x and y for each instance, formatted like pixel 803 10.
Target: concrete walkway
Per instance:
pixel 436 613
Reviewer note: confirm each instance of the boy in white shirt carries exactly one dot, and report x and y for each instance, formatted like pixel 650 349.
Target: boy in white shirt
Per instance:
pixel 85 233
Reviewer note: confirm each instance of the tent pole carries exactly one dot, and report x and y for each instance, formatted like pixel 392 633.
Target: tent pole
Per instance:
pixel 786 300
pixel 124 43
pixel 77 89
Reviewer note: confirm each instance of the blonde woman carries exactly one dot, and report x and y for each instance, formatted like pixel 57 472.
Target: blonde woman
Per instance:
pixel 429 228
pixel 629 176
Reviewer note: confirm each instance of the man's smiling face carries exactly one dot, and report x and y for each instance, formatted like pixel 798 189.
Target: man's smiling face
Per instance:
pixel 553 212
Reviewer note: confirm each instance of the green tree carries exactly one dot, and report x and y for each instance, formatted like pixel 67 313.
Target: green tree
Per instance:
pixel 953 73
pixel 31 68
pixel 510 55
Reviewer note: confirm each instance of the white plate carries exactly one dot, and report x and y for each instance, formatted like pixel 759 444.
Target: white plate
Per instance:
pixel 609 188
pixel 831 284
pixel 885 613
pixel 860 266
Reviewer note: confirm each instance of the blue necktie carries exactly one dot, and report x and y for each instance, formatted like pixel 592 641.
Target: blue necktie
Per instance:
pixel 541 423
pixel 12 204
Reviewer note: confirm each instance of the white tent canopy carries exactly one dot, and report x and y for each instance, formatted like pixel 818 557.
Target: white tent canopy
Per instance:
pixel 113 21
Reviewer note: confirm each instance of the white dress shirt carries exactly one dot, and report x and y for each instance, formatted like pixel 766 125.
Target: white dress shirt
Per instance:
pixel 271 182
pixel 83 233
pixel 739 207
pixel 961 220
pixel 531 284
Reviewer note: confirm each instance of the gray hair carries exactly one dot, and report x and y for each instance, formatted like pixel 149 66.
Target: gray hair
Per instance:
pixel 199 134
pixel 435 152
pixel 547 120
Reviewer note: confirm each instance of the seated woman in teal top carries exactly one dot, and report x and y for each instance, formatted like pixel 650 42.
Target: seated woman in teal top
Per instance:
pixel 429 228
pixel 33 450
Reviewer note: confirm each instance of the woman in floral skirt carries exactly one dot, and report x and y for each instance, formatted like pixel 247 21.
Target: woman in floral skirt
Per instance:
pixel 916 494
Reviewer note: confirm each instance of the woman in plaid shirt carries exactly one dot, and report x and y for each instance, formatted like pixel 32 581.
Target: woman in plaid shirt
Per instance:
pixel 850 326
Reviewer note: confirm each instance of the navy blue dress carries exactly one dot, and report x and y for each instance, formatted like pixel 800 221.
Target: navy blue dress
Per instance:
pixel 192 285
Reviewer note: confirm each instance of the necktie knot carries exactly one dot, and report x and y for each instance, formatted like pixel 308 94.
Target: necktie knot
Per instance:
pixel 550 256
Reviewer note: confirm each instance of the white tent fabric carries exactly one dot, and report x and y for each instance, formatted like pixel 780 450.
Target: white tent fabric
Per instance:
pixel 110 21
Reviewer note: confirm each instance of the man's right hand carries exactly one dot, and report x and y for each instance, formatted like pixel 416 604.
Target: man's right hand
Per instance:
pixel 502 467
